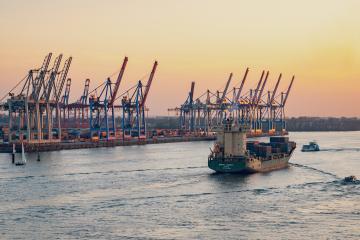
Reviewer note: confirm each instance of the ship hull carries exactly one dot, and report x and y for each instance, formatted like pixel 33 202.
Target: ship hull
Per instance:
pixel 269 165
pixel 248 166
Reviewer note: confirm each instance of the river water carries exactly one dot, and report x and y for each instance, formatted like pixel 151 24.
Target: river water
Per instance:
pixel 166 191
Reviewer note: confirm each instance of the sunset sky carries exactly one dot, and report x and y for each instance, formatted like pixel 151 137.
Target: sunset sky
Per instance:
pixel 202 41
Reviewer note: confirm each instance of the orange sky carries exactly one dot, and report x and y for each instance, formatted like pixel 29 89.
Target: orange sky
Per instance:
pixel 202 41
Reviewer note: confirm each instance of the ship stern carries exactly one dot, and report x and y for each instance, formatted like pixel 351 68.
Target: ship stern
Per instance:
pixel 227 165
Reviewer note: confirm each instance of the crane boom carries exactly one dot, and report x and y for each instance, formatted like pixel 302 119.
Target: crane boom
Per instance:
pixel 61 80
pixel 148 85
pixel 208 97
pixel 84 97
pixel 288 91
pixel 48 86
pixel 258 86
pixel 37 82
pixel 118 81
pixel 262 88
pixel 65 97
pixel 275 90
pixel 241 86
pixel 31 81
pixel 226 88
pixel 191 93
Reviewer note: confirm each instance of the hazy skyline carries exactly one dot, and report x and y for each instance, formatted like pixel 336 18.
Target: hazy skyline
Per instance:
pixel 202 41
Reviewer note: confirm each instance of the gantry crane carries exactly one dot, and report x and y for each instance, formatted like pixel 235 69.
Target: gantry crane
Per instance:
pixel 270 108
pixel 31 112
pixel 133 109
pixel 280 110
pixel 101 105
pixel 255 107
pixel 258 108
pixel 187 111
pixel 75 114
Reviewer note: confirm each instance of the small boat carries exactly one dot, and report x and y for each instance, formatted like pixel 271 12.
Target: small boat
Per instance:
pixel 311 147
pixel 23 157
pixel 351 178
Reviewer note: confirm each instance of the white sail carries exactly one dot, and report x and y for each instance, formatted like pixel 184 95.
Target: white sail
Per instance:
pixel 23 157
pixel 21 161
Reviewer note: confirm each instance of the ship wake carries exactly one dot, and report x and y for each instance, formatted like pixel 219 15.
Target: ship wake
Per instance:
pixel 340 150
pixel 314 169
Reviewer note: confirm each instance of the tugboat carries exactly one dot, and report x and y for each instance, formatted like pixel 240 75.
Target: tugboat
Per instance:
pixel 311 147
pixel 233 154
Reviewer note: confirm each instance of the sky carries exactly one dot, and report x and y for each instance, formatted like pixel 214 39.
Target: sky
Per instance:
pixel 201 41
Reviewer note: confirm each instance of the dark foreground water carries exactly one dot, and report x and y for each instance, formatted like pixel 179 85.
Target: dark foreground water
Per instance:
pixel 167 192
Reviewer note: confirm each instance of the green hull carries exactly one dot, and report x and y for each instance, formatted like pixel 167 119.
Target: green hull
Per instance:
pixel 230 167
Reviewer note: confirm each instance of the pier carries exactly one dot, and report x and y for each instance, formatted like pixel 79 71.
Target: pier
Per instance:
pixel 56 146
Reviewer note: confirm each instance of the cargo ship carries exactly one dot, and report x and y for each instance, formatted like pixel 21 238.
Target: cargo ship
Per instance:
pixel 233 154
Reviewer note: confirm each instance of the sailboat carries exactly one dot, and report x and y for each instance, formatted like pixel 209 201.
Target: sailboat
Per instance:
pixel 23 157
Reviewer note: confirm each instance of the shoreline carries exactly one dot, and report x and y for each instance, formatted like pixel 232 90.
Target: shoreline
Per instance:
pixel 57 146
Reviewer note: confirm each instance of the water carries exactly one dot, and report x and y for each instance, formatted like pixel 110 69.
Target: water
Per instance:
pixel 166 191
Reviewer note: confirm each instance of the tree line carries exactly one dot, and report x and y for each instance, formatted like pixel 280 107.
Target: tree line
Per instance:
pixel 323 124
pixel 292 124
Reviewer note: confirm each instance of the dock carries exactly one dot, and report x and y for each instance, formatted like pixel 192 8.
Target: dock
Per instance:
pixel 57 146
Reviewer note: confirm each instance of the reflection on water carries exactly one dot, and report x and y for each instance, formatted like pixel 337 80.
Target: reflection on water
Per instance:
pixel 167 191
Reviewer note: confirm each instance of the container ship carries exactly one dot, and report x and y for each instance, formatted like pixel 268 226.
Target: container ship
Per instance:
pixel 233 154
